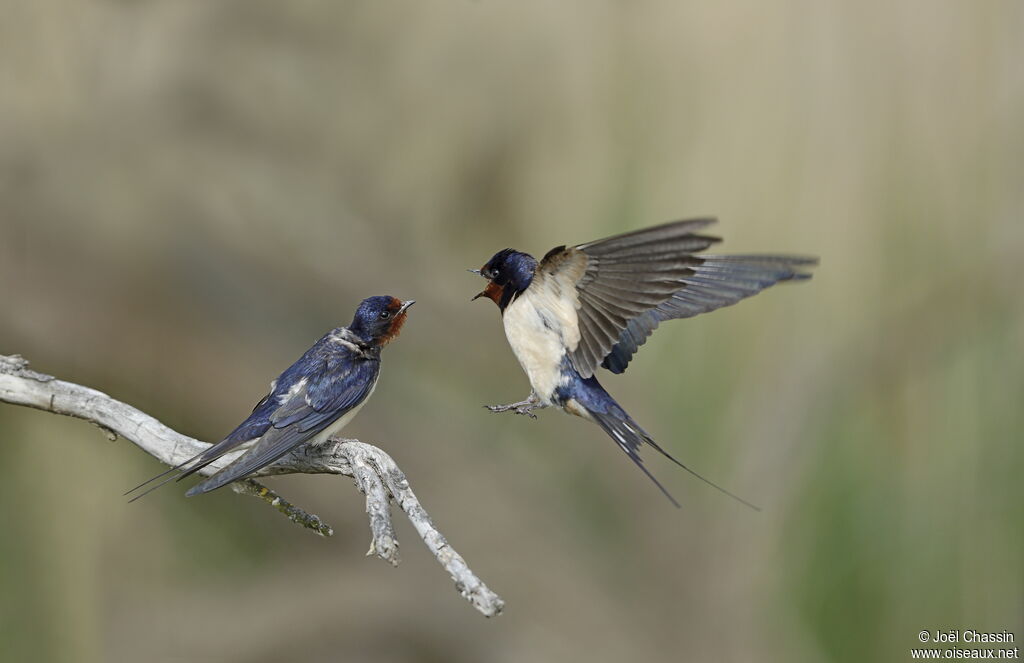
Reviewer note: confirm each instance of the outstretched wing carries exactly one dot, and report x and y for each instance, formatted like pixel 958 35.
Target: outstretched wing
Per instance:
pixel 626 285
pixel 716 281
pixel 340 384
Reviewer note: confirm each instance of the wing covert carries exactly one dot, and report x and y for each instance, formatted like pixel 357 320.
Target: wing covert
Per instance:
pixel 340 384
pixel 620 278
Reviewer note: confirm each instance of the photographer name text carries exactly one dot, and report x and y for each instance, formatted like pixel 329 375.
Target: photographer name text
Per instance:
pixel 966 637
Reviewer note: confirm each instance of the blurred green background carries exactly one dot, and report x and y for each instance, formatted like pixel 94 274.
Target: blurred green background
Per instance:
pixel 191 192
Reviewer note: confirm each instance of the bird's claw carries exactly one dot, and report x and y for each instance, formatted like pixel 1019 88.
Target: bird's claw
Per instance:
pixel 525 408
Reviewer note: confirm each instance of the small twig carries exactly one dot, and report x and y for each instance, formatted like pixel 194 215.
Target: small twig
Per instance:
pixel 376 473
pixel 293 513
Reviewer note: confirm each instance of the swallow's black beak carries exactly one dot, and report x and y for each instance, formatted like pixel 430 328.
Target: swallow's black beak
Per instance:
pixel 406 305
pixel 479 294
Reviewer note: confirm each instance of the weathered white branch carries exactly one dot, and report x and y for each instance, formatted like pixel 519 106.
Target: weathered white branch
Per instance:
pixel 376 474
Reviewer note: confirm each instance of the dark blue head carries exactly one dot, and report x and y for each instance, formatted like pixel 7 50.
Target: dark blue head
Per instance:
pixel 509 272
pixel 379 319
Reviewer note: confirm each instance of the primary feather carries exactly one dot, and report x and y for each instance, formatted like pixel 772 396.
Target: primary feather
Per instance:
pixel 331 395
pixel 627 284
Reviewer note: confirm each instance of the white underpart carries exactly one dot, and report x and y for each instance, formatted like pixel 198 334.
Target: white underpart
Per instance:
pixel 342 421
pixel 541 325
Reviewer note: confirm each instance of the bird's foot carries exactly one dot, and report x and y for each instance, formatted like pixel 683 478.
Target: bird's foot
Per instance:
pixel 522 407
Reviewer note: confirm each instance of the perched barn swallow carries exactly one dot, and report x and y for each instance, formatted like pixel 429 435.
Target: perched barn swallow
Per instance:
pixel 312 400
pixel 593 305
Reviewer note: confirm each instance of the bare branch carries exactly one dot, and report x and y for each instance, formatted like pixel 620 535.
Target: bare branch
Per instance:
pixel 376 473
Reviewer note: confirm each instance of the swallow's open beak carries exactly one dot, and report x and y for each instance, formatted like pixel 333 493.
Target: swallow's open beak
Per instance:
pixel 406 305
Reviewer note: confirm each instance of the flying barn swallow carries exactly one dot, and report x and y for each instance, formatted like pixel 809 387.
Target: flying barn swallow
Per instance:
pixel 311 401
pixel 593 305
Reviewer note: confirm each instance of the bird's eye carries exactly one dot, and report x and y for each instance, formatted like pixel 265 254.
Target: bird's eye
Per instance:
pixel 384 315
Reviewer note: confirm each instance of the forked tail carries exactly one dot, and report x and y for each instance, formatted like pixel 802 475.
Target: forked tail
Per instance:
pixel 630 437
